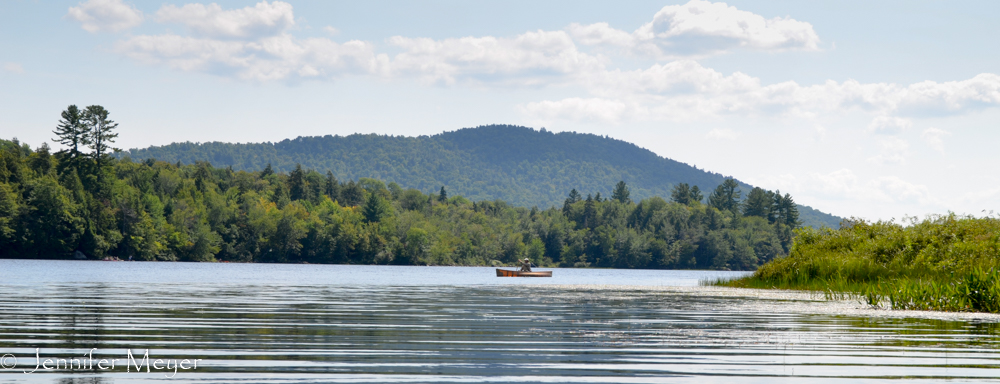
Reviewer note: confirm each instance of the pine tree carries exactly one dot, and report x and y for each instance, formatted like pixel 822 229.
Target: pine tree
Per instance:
pixel 589 213
pixel 376 208
pixel 681 193
pixel 726 196
pixel 99 134
pixel 297 184
pixel 72 133
pixel 696 195
pixel 332 187
pixel 621 193
pixel 758 203
pixel 352 194
pixel 443 196
pixel 574 196
pixel 265 173
pixel 787 212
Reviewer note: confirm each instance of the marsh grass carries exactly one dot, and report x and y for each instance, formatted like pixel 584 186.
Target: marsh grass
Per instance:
pixel 946 263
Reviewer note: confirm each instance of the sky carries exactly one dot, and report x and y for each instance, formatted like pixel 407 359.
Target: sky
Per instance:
pixel 876 110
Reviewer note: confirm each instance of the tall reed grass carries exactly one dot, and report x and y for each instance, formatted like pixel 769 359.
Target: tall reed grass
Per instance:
pixel 946 262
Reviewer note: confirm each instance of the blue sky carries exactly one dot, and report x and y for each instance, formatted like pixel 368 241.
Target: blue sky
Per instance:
pixel 868 109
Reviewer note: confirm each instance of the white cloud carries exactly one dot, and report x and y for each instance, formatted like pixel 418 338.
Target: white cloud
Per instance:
pixel 843 184
pixel 843 190
pixel 532 59
pixel 898 190
pixel 600 34
pixel 839 184
pixel 105 15
pixel 820 131
pixel 953 97
pixel 701 28
pixel 13 68
pixel 593 109
pixel 274 58
pixel 685 90
pixel 723 134
pixel 331 30
pixel 250 43
pixel 254 43
pixel 935 138
pixel 892 150
pixel 261 20
pixel 889 125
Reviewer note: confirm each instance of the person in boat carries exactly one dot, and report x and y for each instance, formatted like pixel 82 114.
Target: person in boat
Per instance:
pixel 526 265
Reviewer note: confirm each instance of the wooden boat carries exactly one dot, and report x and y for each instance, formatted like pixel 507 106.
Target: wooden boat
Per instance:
pixel 509 273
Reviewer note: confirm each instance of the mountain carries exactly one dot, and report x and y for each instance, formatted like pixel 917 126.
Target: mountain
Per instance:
pixel 517 164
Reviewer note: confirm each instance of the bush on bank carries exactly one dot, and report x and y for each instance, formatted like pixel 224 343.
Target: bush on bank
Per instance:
pixel 945 262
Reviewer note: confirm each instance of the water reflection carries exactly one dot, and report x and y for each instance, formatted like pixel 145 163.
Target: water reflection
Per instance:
pixel 405 333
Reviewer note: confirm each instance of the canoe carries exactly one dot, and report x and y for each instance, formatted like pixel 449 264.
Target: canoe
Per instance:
pixel 509 273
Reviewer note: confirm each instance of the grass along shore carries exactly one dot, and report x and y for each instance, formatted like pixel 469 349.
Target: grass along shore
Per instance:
pixel 945 263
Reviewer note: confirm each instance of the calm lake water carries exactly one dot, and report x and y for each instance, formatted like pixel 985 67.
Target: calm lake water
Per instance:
pixel 368 324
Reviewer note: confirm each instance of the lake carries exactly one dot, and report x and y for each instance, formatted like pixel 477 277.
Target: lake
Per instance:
pixel 283 323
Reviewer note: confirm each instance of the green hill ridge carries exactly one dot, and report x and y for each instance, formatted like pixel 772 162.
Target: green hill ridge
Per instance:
pixel 520 165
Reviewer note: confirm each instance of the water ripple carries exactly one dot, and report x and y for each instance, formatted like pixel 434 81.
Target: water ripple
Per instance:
pixel 503 333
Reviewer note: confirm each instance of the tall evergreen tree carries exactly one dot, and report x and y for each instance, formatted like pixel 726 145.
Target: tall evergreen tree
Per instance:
pixel 72 133
pixel 100 135
pixel 352 194
pixel 681 193
pixel 696 195
pixel 332 187
pixel 297 184
pixel 268 171
pixel 787 213
pixel 589 213
pixel 376 208
pixel 574 196
pixel 726 196
pixel 443 196
pixel 758 203
pixel 621 193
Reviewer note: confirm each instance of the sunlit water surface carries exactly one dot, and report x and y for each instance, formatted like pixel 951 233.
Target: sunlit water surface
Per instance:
pixel 324 323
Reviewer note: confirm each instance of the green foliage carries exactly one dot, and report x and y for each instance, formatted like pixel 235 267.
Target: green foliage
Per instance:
pixel 696 196
pixel 155 210
pixel 99 133
pixel 72 133
pixel 758 203
pixel 681 193
pixel 726 197
pixel 621 193
pixel 376 208
pixel 942 263
pixel 520 165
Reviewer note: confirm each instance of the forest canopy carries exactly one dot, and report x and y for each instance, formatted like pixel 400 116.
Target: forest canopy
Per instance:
pixel 520 165
pixel 82 200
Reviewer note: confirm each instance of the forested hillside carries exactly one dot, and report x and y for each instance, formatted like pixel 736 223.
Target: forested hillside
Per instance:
pixel 519 165
pixel 54 205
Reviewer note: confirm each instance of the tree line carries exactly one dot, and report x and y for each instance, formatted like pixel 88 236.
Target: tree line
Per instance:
pixel 79 199
pixel 521 165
